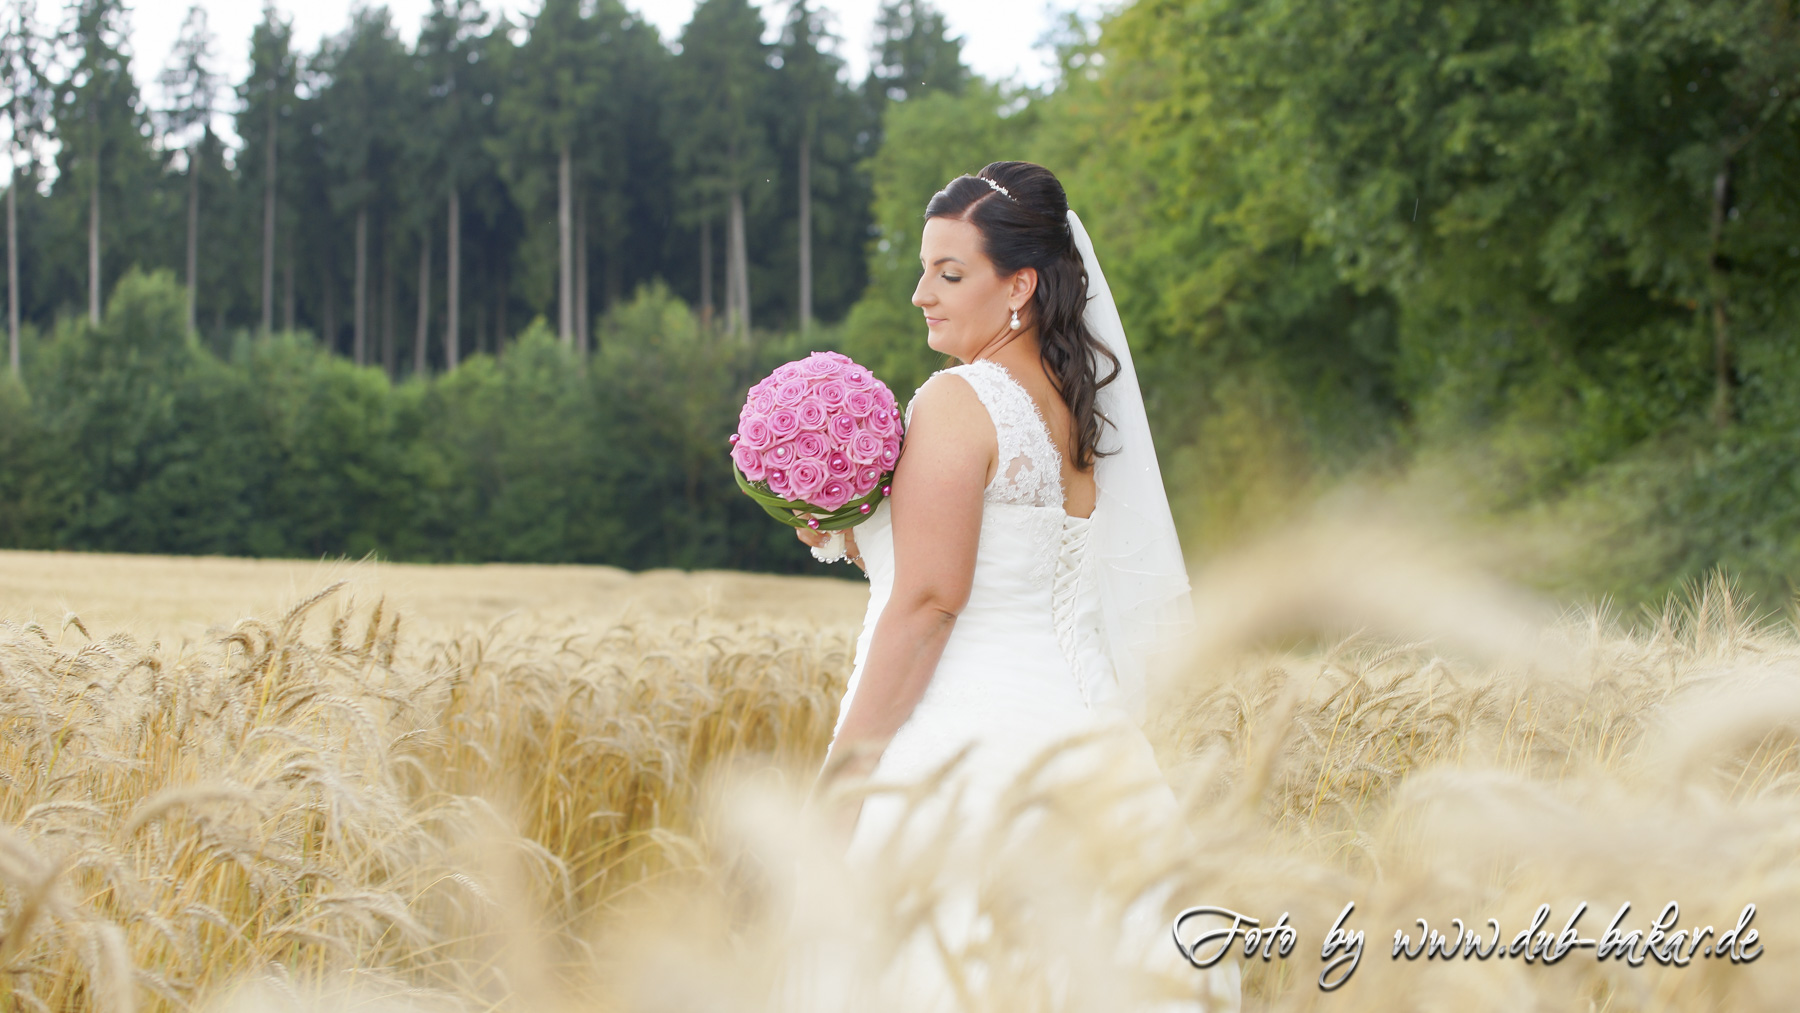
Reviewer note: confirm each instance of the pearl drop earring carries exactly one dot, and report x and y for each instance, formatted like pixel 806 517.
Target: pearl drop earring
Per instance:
pixel 1015 320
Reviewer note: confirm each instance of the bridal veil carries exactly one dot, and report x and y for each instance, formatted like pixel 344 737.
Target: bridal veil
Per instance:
pixel 1143 582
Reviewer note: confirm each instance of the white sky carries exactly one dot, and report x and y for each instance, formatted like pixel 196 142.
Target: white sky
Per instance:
pixel 999 36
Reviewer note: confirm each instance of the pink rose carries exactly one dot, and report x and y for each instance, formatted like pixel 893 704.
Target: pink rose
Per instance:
pixel 791 393
pixel 784 424
pixel 865 479
pixel 785 371
pixel 753 434
pixel 865 448
pixel 833 494
pixel 778 484
pixel 858 378
pixel 831 393
pixel 837 465
pixel 810 445
pixel 817 364
pixel 805 478
pixel 842 429
pixel 881 423
pixel 748 461
pixel 860 403
pixel 761 402
pixel 781 455
pixel 890 453
pixel 837 357
pixel 812 414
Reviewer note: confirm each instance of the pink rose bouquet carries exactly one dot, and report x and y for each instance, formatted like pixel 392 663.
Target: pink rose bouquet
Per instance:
pixel 817 441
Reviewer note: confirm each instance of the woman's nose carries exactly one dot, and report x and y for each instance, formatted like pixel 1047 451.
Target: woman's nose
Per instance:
pixel 919 298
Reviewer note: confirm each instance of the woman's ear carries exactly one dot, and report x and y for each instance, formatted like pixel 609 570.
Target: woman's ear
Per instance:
pixel 1024 285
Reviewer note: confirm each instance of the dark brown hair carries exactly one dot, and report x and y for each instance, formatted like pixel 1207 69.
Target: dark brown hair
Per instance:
pixel 1028 226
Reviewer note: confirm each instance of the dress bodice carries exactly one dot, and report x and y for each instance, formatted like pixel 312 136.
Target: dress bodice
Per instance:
pixel 1033 580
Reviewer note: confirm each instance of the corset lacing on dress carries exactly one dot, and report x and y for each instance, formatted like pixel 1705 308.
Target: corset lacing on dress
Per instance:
pixel 1067 593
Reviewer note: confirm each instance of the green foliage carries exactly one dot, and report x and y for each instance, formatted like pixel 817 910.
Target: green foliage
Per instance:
pixel 136 438
pixel 1551 245
pixel 1554 244
pixel 24 469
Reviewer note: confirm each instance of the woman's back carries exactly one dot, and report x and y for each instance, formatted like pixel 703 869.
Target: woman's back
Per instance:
pixel 1026 666
pixel 1026 661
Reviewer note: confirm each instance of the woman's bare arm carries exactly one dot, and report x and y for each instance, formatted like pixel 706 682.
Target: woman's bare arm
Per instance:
pixel 950 455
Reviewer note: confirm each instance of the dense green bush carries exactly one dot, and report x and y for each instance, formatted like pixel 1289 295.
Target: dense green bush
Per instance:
pixel 130 436
pixel 1549 247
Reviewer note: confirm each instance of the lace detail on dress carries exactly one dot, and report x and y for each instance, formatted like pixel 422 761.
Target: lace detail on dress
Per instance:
pixel 1030 471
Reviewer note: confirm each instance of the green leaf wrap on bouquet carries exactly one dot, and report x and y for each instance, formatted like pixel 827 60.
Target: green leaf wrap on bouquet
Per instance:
pixel 784 510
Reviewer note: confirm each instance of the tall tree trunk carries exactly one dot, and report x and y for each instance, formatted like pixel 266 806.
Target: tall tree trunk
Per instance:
pixel 739 267
pixel 423 333
pixel 453 284
pixel 268 245
pixel 287 281
pixel 806 231
pixel 609 275
pixel 1724 377
pixel 731 278
pixel 581 275
pixel 94 245
pixel 706 268
pixel 359 342
pixel 193 237
pixel 329 284
pixel 490 280
pixel 500 300
pixel 565 294
pixel 389 350
pixel 12 270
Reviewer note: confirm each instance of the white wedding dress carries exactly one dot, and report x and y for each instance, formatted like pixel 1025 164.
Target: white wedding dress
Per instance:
pixel 1026 664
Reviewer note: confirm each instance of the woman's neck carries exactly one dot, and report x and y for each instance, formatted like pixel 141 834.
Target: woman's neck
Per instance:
pixel 1016 350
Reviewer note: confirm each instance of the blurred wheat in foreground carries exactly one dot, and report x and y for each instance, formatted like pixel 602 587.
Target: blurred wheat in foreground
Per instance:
pixel 321 811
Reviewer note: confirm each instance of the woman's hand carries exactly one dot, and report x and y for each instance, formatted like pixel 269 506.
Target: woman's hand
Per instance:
pixel 841 766
pixel 817 538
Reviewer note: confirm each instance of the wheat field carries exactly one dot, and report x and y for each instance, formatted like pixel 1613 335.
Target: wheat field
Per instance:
pixel 242 786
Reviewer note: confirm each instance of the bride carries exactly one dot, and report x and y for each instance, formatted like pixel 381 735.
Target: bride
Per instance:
pixel 1026 564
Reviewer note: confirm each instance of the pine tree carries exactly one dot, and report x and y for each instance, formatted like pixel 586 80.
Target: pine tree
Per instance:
pixel 449 52
pixel 808 81
pixel 361 120
pixel 268 101
pixel 191 87
pixel 101 120
pixel 719 127
pixel 26 109
pixel 915 53
pixel 559 76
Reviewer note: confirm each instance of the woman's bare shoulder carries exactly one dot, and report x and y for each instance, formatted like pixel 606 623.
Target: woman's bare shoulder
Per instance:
pixel 947 416
pixel 946 397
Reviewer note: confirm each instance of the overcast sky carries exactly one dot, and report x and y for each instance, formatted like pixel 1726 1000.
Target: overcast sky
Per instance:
pixel 1000 36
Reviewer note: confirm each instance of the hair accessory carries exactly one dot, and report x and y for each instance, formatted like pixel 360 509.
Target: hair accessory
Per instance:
pixel 1002 191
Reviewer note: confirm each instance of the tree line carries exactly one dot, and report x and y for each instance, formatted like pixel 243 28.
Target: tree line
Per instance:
pixel 411 205
pixel 1541 263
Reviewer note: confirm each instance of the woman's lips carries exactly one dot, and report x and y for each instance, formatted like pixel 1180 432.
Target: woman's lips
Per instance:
pixel 931 321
